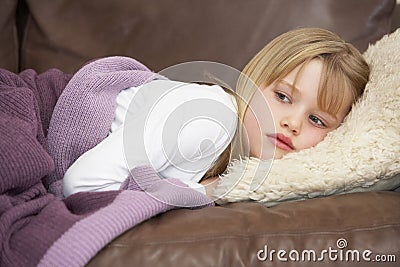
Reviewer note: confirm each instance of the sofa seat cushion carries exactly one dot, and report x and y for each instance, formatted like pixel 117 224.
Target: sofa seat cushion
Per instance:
pixel 233 234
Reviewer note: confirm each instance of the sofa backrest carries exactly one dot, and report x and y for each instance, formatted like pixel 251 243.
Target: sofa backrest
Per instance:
pixel 66 33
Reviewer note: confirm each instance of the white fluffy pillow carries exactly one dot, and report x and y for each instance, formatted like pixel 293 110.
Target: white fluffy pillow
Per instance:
pixel 363 154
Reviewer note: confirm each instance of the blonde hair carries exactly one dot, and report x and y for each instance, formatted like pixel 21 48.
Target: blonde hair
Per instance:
pixel 344 68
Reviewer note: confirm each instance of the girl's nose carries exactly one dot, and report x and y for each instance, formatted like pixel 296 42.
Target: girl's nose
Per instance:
pixel 292 124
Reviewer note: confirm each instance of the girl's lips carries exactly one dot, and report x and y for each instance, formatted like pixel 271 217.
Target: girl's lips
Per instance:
pixel 281 141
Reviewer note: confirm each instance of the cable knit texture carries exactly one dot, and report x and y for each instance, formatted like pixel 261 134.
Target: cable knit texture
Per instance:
pixel 38 228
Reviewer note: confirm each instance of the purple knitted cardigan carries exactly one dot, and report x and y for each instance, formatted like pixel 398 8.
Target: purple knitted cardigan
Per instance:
pixel 37 145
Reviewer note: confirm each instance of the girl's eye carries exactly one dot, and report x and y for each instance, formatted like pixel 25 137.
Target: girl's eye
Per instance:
pixel 317 121
pixel 282 97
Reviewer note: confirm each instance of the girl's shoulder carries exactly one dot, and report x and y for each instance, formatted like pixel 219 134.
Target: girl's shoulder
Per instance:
pixel 198 95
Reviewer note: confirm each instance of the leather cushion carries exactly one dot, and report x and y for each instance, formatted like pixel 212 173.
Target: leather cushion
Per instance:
pixel 67 33
pixel 232 234
pixel 8 38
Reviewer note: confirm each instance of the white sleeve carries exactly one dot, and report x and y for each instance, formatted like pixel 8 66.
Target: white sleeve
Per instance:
pixel 101 168
pixel 179 129
pixel 188 129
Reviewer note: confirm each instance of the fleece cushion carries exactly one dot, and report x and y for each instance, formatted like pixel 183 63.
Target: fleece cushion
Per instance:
pixel 363 154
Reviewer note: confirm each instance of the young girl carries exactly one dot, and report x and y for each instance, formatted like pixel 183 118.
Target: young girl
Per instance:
pixel 289 96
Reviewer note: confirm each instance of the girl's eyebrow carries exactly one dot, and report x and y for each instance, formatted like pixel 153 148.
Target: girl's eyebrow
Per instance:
pixel 294 88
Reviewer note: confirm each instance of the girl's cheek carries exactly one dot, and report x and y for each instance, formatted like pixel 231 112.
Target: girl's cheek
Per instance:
pixel 314 137
pixel 275 111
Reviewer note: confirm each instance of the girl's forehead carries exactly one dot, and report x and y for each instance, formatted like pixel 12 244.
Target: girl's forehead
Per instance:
pixel 306 75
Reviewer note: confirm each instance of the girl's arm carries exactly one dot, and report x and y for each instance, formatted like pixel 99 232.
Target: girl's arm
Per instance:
pixel 101 168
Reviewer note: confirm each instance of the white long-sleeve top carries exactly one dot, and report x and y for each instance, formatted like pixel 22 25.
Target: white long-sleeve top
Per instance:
pixel 179 128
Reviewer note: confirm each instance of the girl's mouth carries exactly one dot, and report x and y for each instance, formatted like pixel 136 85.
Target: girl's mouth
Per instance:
pixel 281 141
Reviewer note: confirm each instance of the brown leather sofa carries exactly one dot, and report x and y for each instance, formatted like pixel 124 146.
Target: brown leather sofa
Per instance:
pixel 66 33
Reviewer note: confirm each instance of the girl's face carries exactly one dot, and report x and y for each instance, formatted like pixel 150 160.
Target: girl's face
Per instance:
pixel 299 122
